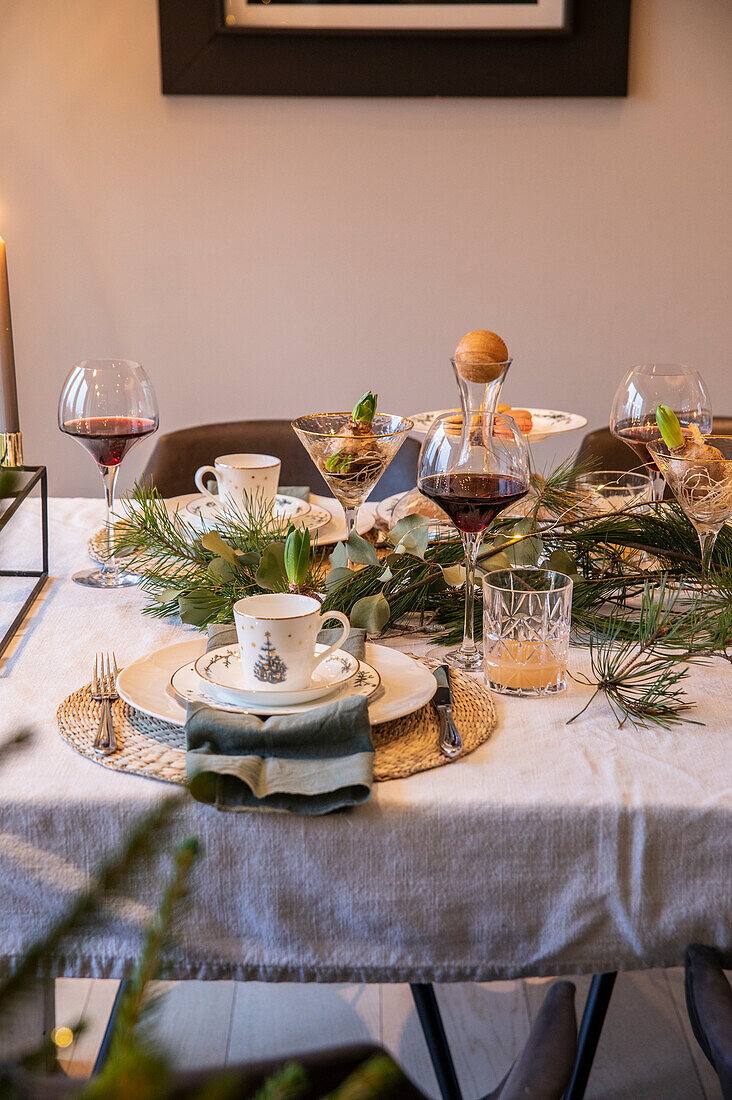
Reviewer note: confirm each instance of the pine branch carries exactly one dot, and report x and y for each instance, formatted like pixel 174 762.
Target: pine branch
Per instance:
pixel 640 675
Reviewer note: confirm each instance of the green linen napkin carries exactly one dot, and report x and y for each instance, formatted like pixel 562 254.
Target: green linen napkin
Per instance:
pixel 310 763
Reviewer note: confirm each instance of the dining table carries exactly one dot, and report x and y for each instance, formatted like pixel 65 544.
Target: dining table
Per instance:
pixel 554 848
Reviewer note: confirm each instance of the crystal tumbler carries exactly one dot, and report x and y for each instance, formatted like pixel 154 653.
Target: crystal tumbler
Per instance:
pixel 526 620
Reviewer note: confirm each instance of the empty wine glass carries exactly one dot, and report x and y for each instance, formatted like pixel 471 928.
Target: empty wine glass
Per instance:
pixel 362 458
pixel 641 391
pixel 107 405
pixel 473 469
pixel 703 488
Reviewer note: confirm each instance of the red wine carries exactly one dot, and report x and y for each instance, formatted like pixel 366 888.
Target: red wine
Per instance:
pixel 472 501
pixel 637 435
pixel 109 438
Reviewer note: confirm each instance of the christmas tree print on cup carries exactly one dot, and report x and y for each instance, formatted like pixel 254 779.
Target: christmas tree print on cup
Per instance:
pixel 277 635
pixel 269 666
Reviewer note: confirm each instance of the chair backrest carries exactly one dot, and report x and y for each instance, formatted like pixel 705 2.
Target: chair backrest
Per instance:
pixel 544 1067
pixel 709 1004
pixel 177 456
pixel 613 454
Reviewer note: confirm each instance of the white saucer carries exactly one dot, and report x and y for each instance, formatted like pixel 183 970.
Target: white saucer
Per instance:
pixel 208 513
pixel 334 530
pixel 220 668
pixel 145 684
pixel 203 507
pixel 188 686
pixel 545 422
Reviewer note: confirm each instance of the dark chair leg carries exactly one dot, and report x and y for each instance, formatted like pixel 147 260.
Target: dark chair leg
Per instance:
pixel 434 1032
pixel 590 1030
pixel 49 1022
pixel 109 1030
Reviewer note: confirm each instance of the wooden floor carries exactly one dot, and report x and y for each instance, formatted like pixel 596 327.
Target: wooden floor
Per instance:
pixel 647 1050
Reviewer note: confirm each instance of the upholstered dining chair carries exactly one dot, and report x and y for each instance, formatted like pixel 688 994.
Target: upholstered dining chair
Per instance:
pixel 613 454
pixel 177 456
pixel 709 1004
pixel 541 1071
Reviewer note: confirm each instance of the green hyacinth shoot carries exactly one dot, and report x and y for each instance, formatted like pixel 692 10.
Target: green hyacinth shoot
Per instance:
pixel 669 427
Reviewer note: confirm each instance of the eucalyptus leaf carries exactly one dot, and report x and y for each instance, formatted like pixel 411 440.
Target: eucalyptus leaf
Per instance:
pixel 519 550
pixel 405 525
pixel 167 595
pixel 197 607
pixel 562 562
pixel 248 558
pixel 213 542
pixel 371 613
pixel 337 577
pixel 339 557
pixel 414 543
pixel 495 561
pixel 222 571
pixel 271 573
pixel 454 575
pixel 385 576
pixel 360 551
pixel 410 536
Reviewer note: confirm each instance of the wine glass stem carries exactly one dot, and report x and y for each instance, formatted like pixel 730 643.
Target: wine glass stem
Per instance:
pixel 659 484
pixel 351 512
pixel 109 480
pixel 471 545
pixel 707 540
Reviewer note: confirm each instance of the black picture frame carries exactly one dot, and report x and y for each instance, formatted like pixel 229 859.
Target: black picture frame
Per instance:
pixel 200 55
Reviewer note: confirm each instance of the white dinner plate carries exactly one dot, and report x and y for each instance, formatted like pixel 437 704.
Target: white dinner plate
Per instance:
pixel 145 684
pixel 545 422
pixel 331 532
pixel 221 669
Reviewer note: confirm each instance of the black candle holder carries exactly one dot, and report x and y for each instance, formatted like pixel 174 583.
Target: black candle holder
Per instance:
pixel 23 480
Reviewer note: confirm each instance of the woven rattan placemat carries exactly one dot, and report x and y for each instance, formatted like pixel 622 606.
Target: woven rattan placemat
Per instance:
pixel 156 749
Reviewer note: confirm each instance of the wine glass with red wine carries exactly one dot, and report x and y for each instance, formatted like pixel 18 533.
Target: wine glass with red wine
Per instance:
pixel 642 390
pixel 473 472
pixel 108 405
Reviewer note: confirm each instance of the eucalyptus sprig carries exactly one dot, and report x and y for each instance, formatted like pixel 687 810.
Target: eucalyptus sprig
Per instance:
pixel 614 560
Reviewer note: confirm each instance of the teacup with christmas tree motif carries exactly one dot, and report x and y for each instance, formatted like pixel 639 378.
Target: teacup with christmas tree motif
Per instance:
pixel 278 635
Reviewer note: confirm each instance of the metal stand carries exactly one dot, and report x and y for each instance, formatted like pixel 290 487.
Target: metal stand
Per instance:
pixel 590 1030
pixel 434 1032
pixel 38 474
pixel 109 1030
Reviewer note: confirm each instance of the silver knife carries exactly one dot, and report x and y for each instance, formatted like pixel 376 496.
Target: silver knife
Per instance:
pixel 451 743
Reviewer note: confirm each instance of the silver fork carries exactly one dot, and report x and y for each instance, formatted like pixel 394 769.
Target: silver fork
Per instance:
pixel 104 690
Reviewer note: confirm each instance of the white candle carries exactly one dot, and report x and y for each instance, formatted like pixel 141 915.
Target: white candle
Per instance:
pixel 9 421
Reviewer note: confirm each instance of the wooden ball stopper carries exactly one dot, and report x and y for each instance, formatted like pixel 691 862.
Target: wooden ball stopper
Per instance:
pixel 479 354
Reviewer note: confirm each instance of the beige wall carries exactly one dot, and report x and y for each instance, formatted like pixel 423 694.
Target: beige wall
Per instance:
pixel 263 257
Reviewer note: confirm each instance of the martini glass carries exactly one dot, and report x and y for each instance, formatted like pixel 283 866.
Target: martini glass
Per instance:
pixel 473 473
pixel 703 489
pixel 324 435
pixel 641 391
pixel 107 405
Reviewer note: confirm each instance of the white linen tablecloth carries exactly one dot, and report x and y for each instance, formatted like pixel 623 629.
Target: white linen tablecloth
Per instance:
pixel 552 849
